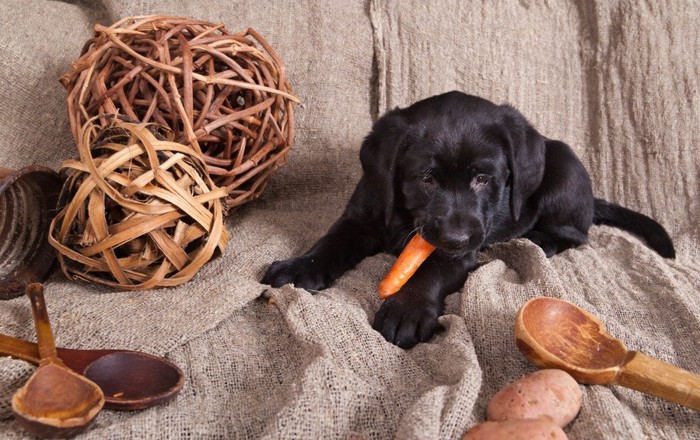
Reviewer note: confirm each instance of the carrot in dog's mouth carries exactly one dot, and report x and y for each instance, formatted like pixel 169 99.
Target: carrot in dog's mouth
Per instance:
pixel 414 254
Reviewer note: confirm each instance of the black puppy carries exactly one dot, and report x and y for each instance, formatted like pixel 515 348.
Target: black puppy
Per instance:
pixel 464 173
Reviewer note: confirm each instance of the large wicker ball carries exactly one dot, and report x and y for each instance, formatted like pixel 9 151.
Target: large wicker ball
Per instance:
pixel 138 210
pixel 224 94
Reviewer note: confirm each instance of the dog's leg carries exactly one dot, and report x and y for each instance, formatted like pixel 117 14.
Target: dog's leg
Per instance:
pixel 565 202
pixel 557 239
pixel 410 315
pixel 347 242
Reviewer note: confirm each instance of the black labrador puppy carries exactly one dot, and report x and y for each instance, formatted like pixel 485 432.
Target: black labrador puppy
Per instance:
pixel 464 173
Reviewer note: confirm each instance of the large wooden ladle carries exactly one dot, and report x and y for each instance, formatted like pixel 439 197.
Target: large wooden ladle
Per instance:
pixel 553 333
pixel 55 402
pixel 130 380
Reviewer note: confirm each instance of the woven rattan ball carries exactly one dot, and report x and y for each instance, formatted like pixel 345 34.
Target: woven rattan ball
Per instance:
pixel 138 210
pixel 226 95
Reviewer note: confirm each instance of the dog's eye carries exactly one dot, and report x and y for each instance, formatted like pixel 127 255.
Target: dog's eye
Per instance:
pixel 482 179
pixel 429 179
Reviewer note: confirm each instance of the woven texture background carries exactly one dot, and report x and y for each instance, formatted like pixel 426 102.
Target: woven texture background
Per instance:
pixel 618 80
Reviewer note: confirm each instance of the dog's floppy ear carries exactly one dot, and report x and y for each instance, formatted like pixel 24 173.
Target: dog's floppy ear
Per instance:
pixel 379 156
pixel 525 150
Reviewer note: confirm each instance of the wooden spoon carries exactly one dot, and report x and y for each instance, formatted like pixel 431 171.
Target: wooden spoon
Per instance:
pixel 553 333
pixel 130 380
pixel 55 402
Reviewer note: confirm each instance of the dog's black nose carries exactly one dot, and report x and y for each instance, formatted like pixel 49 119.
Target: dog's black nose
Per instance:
pixel 454 239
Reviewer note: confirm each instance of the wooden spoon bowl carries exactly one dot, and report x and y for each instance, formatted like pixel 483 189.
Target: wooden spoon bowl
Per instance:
pixel 132 380
pixel 552 333
pixel 56 402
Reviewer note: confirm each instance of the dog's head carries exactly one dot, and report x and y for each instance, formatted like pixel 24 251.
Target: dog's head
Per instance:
pixel 457 164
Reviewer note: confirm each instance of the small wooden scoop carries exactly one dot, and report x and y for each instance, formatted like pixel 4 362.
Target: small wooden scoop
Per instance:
pixel 553 333
pixel 55 402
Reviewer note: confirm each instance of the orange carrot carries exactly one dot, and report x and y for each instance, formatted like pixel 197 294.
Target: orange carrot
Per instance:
pixel 414 254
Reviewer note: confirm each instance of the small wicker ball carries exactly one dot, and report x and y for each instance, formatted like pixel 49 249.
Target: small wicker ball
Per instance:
pixel 226 95
pixel 137 210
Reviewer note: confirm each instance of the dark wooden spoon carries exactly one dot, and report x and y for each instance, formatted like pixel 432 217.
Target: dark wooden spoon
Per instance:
pixel 56 402
pixel 553 333
pixel 130 380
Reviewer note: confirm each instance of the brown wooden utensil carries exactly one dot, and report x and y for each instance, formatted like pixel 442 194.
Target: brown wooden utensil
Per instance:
pixel 129 379
pixel 56 402
pixel 553 333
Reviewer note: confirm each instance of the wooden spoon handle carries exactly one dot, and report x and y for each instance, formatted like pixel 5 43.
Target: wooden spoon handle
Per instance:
pixel 652 376
pixel 44 335
pixel 19 348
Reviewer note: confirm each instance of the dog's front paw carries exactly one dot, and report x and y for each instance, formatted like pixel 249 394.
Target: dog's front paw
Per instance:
pixel 405 319
pixel 305 272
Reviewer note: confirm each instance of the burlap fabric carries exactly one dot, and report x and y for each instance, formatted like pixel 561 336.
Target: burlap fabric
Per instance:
pixel 617 80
